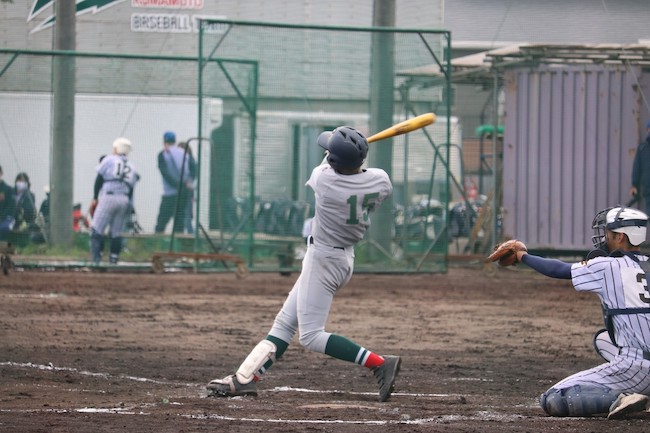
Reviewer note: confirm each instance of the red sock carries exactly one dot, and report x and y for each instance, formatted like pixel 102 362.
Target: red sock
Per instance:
pixel 373 360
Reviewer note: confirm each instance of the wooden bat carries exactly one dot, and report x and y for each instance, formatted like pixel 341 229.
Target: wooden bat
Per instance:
pixel 403 127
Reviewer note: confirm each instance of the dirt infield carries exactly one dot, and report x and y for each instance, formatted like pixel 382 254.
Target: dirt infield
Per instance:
pixel 105 352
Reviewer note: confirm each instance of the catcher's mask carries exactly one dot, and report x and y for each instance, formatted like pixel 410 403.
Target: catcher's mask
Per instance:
pixel 619 219
pixel 347 147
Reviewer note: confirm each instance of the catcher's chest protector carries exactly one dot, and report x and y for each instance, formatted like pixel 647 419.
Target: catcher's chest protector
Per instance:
pixel 609 313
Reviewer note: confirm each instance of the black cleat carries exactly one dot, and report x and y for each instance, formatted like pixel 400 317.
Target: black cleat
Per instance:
pixel 386 374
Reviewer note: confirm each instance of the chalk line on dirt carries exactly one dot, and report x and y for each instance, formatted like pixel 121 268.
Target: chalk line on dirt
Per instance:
pixel 51 367
pixel 479 416
pixel 141 409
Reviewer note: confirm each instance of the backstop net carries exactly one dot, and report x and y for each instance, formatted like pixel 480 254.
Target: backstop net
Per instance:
pixel 249 108
pixel 303 80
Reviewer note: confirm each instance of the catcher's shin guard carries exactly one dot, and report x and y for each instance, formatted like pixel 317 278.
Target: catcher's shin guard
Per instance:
pixel 263 352
pixel 577 400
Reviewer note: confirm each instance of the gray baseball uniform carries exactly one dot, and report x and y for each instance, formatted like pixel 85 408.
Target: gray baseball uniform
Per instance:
pixel 345 196
pixel 343 204
pixel 118 177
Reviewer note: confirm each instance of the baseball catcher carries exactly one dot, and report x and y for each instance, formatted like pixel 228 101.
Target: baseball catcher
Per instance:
pixel 617 272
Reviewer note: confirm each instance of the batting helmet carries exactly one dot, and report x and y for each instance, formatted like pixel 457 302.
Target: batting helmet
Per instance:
pixel 122 146
pixel 347 147
pixel 619 219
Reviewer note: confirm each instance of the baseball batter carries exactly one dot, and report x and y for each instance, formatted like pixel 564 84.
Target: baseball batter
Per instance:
pixel 116 178
pixel 345 196
pixel 617 273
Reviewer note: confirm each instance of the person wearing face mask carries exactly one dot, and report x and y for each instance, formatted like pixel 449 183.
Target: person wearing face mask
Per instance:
pixel 25 214
pixel 7 208
pixel 26 209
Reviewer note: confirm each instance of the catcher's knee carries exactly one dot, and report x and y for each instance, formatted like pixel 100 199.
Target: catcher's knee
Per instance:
pixel 577 400
pixel 604 345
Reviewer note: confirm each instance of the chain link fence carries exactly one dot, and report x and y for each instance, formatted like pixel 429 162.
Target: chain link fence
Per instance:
pixel 249 107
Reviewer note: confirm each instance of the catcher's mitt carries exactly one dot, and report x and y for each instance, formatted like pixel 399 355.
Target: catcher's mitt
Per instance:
pixel 506 253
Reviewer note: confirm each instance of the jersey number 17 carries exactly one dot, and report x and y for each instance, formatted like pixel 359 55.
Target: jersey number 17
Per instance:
pixel 367 206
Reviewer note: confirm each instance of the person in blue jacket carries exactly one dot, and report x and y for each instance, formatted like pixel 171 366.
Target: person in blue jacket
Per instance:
pixel 174 166
pixel 641 172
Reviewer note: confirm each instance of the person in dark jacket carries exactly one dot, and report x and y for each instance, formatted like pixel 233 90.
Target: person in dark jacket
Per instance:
pixel 641 172
pixel 25 203
pixel 26 215
pixel 7 208
pixel 189 201
pixel 174 168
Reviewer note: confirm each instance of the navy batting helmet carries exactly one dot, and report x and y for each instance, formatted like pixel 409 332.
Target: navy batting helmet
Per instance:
pixel 347 147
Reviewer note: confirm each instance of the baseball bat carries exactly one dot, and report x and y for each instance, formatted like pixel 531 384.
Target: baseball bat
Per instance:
pixel 403 127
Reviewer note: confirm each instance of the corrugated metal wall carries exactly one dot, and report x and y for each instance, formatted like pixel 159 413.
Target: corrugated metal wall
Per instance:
pixel 570 137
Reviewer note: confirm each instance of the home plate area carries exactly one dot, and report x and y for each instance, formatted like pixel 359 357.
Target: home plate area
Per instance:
pixel 100 352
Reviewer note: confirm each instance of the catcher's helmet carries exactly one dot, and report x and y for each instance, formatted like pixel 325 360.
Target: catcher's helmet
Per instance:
pixel 347 147
pixel 122 146
pixel 619 219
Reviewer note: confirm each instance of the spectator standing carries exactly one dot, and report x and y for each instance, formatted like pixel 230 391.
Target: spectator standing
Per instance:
pixel 7 208
pixel 174 169
pixel 641 172
pixel 189 209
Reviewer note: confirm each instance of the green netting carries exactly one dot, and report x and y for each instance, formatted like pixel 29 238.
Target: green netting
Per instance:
pixel 311 79
pixel 250 105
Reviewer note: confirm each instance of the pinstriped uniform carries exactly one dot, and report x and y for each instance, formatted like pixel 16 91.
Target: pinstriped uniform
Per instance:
pixel 621 284
pixel 114 202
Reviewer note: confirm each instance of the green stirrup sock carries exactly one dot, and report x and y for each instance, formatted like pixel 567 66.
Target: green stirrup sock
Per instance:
pixel 341 348
pixel 280 345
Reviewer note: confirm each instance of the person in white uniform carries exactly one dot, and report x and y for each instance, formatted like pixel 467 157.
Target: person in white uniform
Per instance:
pixel 617 272
pixel 113 191
pixel 345 196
